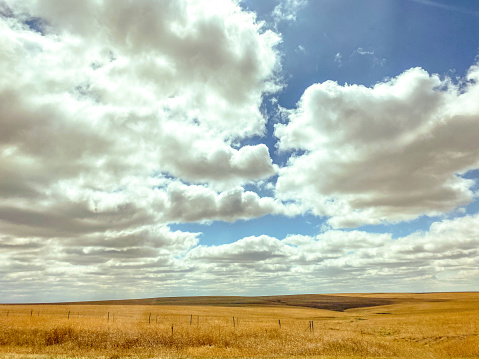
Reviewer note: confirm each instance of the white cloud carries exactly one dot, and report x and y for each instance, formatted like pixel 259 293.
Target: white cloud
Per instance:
pixel 390 153
pixel 111 97
pixel 286 10
pixel 361 51
pixel 156 260
pixel 300 50
pixel 198 157
pixel 246 250
pixel 197 203
pixel 338 58
pixel 345 261
pixel 370 55
pixel 121 118
pixel 447 7
pixel 108 108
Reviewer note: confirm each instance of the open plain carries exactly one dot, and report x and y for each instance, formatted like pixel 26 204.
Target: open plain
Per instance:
pixel 429 325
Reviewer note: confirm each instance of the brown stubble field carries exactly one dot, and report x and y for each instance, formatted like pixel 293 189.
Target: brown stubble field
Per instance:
pixel 436 325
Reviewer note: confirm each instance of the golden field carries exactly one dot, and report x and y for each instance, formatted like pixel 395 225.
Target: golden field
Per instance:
pixel 435 325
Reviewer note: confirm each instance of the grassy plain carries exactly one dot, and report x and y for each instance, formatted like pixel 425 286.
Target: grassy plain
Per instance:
pixel 435 325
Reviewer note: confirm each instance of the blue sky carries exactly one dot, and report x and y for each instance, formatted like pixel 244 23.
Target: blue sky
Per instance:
pixel 375 40
pixel 159 147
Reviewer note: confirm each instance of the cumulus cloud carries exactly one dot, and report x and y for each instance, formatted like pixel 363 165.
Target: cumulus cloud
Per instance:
pixel 348 261
pixel 104 100
pixel 246 250
pixel 392 152
pixel 121 117
pixel 197 203
pixel 209 160
pixel 150 79
pixel 154 258
pixel 113 264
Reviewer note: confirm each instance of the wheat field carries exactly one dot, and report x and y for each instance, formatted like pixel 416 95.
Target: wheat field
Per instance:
pixel 439 325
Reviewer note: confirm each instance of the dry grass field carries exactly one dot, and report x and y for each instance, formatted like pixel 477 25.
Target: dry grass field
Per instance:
pixel 436 325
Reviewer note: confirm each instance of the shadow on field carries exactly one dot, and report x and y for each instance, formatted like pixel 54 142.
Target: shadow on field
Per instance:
pixel 318 301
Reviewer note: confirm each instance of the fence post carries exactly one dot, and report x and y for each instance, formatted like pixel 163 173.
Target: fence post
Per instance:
pixel 149 319
pixel 68 314
pixel 191 319
pixel 108 318
pixel 279 322
pixel 234 325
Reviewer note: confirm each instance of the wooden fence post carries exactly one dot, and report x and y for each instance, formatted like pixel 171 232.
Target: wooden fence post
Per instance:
pixel 279 322
pixel 68 314
pixel 149 319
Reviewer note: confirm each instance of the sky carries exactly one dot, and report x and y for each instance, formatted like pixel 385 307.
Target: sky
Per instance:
pixel 157 148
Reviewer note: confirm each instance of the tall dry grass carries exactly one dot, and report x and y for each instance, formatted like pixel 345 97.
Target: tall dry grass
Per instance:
pixel 432 327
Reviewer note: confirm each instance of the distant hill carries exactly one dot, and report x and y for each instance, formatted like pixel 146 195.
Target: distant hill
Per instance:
pixel 319 301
